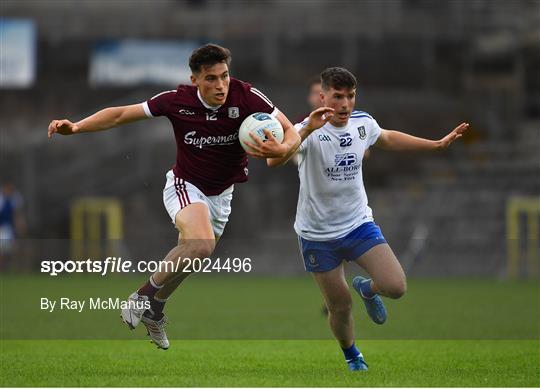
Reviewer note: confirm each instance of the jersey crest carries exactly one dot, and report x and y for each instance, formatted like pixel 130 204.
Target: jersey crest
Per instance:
pixel 362 132
pixel 234 112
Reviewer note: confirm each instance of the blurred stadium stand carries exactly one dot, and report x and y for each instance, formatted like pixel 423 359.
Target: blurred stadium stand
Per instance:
pixel 423 67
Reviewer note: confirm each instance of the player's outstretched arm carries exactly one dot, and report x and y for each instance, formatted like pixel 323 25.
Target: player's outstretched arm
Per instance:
pixel 317 119
pixel 399 141
pixel 102 120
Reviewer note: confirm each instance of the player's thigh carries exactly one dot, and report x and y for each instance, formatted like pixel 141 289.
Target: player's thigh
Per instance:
pixel 219 208
pixel 195 229
pixel 187 208
pixel 193 222
pixel 383 267
pixel 334 289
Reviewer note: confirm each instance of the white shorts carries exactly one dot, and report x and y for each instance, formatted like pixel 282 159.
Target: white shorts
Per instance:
pixel 178 194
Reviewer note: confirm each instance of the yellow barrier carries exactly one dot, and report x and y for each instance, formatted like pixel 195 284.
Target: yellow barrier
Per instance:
pixel 87 216
pixel 515 207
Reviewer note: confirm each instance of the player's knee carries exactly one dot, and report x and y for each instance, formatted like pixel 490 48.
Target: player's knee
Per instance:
pixel 340 308
pixel 202 248
pixel 396 289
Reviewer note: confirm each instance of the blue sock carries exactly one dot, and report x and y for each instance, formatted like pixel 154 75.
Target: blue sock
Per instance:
pixel 365 288
pixel 351 352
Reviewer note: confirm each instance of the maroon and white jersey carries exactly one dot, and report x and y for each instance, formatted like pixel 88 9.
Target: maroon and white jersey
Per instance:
pixel 208 153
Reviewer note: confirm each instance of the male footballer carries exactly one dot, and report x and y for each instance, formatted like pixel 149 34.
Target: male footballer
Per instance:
pixel 205 117
pixel 333 220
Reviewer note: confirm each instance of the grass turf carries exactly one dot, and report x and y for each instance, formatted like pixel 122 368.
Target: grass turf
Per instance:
pixel 445 332
pixel 268 363
pixel 228 307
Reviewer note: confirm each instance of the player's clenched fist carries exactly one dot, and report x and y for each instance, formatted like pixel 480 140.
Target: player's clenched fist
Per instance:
pixel 63 127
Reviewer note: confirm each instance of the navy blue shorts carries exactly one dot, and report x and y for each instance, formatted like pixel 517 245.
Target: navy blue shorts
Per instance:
pixel 326 255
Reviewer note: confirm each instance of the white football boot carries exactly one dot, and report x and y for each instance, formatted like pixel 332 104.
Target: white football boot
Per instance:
pixel 136 307
pixel 156 331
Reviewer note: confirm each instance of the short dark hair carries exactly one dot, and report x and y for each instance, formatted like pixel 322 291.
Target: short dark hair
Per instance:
pixel 208 55
pixel 337 78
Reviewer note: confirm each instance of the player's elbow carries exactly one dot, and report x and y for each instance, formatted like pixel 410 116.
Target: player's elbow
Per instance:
pixel 114 116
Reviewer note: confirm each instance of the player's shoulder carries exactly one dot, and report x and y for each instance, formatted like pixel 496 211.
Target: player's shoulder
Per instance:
pixel 239 87
pixel 186 94
pixel 181 93
pixel 164 94
pixel 360 114
pixel 238 90
pixel 236 83
pixel 246 91
pixel 362 118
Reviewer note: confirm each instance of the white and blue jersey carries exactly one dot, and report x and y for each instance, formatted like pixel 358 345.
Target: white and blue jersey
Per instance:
pixel 333 219
pixel 332 200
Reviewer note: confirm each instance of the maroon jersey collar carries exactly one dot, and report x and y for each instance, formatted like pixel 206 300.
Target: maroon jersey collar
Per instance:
pixel 206 105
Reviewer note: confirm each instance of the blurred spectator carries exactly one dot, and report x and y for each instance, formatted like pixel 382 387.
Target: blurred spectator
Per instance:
pixel 12 222
pixel 314 96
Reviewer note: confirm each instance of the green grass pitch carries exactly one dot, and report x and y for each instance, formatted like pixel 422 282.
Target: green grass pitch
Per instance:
pixel 261 331
pixel 268 363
